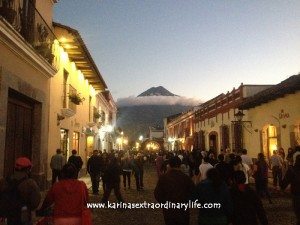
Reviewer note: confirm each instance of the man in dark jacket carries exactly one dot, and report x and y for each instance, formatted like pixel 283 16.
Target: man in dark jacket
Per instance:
pixel 176 187
pixel 247 206
pixel 223 168
pixel 94 168
pixel 292 177
pixel 76 161
pixel 112 179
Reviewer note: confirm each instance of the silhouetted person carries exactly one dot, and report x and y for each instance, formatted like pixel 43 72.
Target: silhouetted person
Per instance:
pixel 56 164
pixel 76 161
pixel 261 176
pixel 247 206
pixel 94 168
pixel 292 177
pixel 176 187
pixel 112 179
pixel 213 190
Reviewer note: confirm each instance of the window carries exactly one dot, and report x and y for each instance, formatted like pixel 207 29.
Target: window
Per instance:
pixel 75 141
pixel 272 136
pixel 91 117
pixel 64 142
pixel 72 105
pixel 65 93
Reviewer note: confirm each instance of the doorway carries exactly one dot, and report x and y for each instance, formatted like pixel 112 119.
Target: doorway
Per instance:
pixel 270 140
pixel 64 142
pixel 213 141
pixel 19 129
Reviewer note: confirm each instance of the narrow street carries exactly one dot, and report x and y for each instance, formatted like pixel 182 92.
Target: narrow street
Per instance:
pixel 279 213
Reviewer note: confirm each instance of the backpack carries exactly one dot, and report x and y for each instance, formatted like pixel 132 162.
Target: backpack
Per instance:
pixel 10 199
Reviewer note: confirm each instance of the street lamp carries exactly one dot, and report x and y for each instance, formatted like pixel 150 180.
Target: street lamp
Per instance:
pixel 239 115
pixel 238 129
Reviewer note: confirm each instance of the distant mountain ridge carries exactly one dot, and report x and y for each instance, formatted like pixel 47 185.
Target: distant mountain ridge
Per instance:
pixel 156 91
pixel 136 120
pixel 137 114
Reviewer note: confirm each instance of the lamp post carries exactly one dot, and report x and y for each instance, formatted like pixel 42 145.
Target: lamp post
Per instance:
pixel 238 129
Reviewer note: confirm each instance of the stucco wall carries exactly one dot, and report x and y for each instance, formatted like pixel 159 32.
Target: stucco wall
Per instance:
pixel 270 114
pixel 18 74
pixel 213 125
pixel 73 123
pixel 45 9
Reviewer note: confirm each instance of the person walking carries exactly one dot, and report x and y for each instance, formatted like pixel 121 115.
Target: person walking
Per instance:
pixel 126 170
pixel 140 165
pixel 185 168
pixel 296 153
pixel 19 194
pixel 56 165
pixel 94 168
pixel 69 197
pixel 136 173
pixel 247 206
pixel 158 164
pixel 112 179
pixel 276 163
pixel 239 165
pixel 223 168
pixel 213 190
pixel 292 177
pixel 289 157
pixel 247 159
pixel 204 167
pixel 176 187
pixel 260 175
pixel 76 160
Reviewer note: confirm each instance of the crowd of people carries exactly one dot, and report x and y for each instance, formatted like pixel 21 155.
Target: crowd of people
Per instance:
pixel 182 176
pixel 226 180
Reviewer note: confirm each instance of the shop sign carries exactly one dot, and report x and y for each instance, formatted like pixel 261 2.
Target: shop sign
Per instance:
pixel 283 115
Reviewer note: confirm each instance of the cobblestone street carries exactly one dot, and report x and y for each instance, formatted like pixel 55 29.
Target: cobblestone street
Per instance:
pixel 279 213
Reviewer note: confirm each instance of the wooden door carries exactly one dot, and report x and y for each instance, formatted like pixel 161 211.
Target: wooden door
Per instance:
pixel 19 125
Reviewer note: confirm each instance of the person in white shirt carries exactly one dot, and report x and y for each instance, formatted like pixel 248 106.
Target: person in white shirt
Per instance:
pixel 204 167
pixel 239 165
pixel 246 159
pixel 276 163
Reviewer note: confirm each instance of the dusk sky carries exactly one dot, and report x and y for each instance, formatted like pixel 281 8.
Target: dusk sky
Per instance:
pixel 196 49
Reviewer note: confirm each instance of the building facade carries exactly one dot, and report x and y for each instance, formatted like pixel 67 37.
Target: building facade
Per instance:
pixel 106 135
pixel 26 70
pixel 179 131
pixel 82 108
pixel 216 124
pixel 52 94
pixel 275 118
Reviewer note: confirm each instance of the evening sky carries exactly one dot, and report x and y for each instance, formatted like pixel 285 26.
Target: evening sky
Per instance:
pixel 193 48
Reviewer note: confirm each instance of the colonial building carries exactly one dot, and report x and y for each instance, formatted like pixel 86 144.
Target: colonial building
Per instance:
pixel 106 106
pixel 26 69
pixel 274 116
pixel 82 109
pixel 179 131
pixel 216 124
pixel 52 94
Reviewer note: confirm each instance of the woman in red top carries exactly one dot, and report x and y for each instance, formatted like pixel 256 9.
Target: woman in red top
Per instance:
pixel 69 197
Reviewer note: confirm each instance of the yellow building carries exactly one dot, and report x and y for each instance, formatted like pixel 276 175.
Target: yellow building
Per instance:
pixel 179 130
pixel 275 118
pixel 80 105
pixel 52 94
pixel 26 69
pixel 216 123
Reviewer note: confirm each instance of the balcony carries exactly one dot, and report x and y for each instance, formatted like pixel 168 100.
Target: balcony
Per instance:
pixel 28 22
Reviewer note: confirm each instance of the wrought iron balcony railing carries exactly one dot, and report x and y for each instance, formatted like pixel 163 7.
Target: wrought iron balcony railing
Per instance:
pixel 27 20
